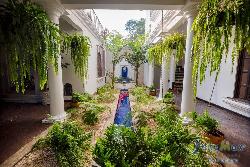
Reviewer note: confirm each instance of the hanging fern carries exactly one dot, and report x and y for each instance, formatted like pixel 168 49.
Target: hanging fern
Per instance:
pixel 79 48
pixel 172 42
pixel 217 24
pixel 29 39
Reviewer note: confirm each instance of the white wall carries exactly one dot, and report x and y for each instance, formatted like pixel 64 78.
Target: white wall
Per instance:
pixel 224 86
pixel 146 74
pixel 108 65
pixel 90 84
pixel 118 68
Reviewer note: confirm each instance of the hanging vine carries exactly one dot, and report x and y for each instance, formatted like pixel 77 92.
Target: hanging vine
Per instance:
pixel 172 42
pixel 30 40
pixel 219 22
pixel 79 48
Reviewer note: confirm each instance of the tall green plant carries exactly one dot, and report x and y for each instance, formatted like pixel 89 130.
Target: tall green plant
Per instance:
pixel 79 48
pixel 217 24
pixel 137 55
pixel 30 41
pixel 172 42
pixel 115 43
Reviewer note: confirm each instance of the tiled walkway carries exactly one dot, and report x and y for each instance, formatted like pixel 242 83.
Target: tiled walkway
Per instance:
pixel 235 127
pixel 19 123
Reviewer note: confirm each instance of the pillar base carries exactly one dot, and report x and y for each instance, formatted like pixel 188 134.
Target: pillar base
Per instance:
pixel 58 118
pixel 187 121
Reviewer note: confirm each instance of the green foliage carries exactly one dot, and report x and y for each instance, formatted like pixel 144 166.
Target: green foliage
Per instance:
pixel 152 88
pixel 81 97
pixel 72 110
pixel 172 42
pixel 135 27
pixel 136 57
pixel 142 119
pixel 115 43
pixel 69 142
pixel 168 98
pixel 79 48
pixel 141 95
pixel 218 23
pixel 30 41
pixel 123 147
pixel 170 144
pixel 91 114
pixel 206 122
pixel 105 94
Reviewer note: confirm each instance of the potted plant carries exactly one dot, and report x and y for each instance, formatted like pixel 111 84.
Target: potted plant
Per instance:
pixel 168 98
pixel 209 127
pixel 152 90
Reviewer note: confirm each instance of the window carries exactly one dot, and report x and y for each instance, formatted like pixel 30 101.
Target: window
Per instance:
pixel 100 61
pixel 67 89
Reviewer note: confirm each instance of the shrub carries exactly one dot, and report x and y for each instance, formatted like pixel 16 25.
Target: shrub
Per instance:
pixel 69 142
pixel 122 146
pixel 81 97
pixel 170 144
pixel 104 89
pixel 141 95
pixel 91 115
pixel 168 98
pixel 105 94
pixel 205 121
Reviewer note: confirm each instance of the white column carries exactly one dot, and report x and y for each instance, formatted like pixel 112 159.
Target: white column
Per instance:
pixel 187 103
pixel 164 78
pixel 150 74
pixel 172 71
pixel 55 80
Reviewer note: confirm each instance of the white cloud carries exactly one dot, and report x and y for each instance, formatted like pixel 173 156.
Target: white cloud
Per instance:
pixel 116 19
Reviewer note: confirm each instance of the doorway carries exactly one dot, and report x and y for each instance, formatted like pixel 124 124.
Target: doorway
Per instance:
pixel 242 86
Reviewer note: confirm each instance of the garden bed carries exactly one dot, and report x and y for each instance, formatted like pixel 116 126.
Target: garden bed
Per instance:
pixel 42 156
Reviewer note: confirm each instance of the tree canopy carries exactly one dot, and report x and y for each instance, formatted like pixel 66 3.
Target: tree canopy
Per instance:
pixel 135 27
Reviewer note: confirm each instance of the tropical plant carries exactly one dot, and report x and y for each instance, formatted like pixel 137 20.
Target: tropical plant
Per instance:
pixel 91 114
pixel 168 98
pixel 30 41
pixel 69 143
pixel 174 42
pixel 219 22
pixel 79 48
pixel 136 56
pixel 170 143
pixel 206 122
pixel 141 95
pixel 81 97
pixel 135 27
pixel 105 94
pixel 152 88
pixel 114 42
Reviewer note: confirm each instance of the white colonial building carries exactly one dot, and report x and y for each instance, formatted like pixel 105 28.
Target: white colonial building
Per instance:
pixel 231 90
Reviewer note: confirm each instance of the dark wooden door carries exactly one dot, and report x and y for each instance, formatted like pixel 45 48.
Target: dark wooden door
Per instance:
pixel 243 77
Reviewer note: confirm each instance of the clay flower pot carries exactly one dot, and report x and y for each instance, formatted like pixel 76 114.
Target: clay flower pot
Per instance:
pixel 216 137
pixel 75 104
pixel 152 92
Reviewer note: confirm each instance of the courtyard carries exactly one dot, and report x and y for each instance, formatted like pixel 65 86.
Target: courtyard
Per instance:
pixel 124 84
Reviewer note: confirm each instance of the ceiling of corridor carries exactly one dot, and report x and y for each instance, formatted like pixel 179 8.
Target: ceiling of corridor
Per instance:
pixel 125 4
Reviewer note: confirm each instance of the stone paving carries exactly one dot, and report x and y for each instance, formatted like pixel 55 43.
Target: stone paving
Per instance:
pixel 235 127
